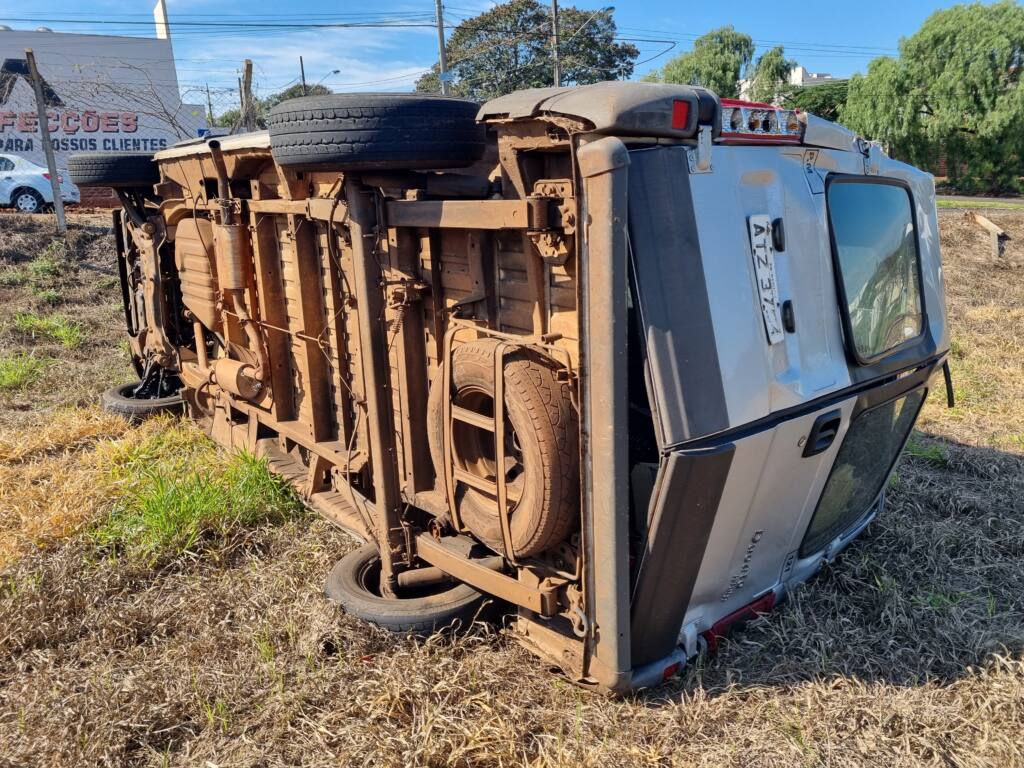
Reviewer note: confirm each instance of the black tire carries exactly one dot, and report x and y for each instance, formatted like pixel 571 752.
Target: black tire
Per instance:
pixel 113 169
pixel 370 131
pixel 354 584
pixel 544 488
pixel 27 200
pixel 119 400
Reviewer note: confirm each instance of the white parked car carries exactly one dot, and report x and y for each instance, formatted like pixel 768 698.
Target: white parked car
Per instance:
pixel 26 186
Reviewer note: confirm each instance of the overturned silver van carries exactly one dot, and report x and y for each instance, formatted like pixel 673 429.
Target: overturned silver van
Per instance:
pixel 631 358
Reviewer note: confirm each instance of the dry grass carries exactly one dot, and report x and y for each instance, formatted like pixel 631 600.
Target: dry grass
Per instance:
pixel 59 302
pixel 908 652
pixel 985 302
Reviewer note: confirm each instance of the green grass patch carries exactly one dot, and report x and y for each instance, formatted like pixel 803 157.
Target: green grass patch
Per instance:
pixel 175 493
pixel 20 370
pixel 12 278
pixel 44 268
pixel 936 454
pixel 957 350
pixel 1009 205
pixel 67 333
pixel 47 295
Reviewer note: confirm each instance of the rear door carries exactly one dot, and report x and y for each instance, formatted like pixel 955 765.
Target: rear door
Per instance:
pixel 809 444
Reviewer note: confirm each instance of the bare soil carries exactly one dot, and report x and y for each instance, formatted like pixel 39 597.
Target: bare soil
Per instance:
pixel 908 651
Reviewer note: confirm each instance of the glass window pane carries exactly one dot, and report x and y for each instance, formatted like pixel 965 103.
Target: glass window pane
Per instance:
pixel 876 251
pixel 869 450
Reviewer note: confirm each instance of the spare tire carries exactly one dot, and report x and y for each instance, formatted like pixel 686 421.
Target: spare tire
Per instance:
pixel 113 169
pixel 542 446
pixel 371 131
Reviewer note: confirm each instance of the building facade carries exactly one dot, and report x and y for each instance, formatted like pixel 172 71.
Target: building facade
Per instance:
pixel 103 94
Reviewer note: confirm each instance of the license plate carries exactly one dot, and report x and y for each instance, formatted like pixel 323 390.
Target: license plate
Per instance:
pixel 764 272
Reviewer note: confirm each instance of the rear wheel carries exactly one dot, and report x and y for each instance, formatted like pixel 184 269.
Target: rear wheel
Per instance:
pixel 374 131
pixel 354 583
pixel 27 201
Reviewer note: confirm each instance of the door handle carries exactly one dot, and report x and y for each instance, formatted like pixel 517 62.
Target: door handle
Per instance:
pixel 823 433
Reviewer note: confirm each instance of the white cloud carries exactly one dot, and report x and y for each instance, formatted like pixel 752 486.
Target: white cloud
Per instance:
pixel 363 56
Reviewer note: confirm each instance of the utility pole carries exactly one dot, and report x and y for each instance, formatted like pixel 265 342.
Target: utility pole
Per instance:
pixel 441 53
pixel 248 104
pixel 554 44
pixel 44 129
pixel 302 68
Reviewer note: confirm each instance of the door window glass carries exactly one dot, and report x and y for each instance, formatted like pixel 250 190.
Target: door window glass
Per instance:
pixel 6 164
pixel 868 452
pixel 877 261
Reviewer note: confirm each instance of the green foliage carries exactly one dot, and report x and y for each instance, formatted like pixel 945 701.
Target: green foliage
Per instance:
pixel 955 89
pixel 67 332
pixel 825 100
pixel 21 370
pixel 929 451
pixel 46 295
pixel 770 75
pixel 232 117
pixel 508 47
pixel 294 92
pixel 44 267
pixel 998 206
pixel 717 61
pixel 177 494
pixel 12 278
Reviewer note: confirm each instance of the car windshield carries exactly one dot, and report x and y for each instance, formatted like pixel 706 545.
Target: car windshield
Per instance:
pixel 877 261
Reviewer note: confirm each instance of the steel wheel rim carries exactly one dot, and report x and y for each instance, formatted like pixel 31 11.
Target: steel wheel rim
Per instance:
pixel 474 450
pixel 26 203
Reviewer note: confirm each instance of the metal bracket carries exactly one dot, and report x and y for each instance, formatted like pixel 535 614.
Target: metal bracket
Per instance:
pixel 552 227
pixel 543 601
pixel 699 157
pixel 872 158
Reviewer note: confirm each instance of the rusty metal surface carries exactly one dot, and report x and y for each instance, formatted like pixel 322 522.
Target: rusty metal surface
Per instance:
pixel 320 308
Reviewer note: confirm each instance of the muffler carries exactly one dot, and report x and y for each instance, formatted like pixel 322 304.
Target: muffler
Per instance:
pixel 241 379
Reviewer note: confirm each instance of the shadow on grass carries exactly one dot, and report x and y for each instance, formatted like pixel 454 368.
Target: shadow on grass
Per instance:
pixel 934 587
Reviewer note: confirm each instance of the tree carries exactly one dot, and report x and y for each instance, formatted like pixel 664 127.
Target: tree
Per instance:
pixel 717 62
pixel 825 100
pixel 232 118
pixel 955 89
pixel 509 47
pixel 771 74
pixel 294 92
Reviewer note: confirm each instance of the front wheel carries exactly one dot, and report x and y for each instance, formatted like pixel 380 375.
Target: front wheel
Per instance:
pixel 127 400
pixel 354 583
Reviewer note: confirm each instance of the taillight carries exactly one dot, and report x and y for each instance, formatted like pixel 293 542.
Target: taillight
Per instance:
pixel 750 611
pixel 753 122
pixel 46 175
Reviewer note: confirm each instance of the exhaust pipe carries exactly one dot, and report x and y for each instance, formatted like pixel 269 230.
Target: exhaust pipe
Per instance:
pixel 227 247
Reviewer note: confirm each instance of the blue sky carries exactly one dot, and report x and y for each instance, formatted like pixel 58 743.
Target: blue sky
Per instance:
pixel 840 38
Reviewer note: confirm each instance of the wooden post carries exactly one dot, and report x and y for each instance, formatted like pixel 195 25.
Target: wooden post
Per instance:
pixel 44 129
pixel 997 236
pixel 248 103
